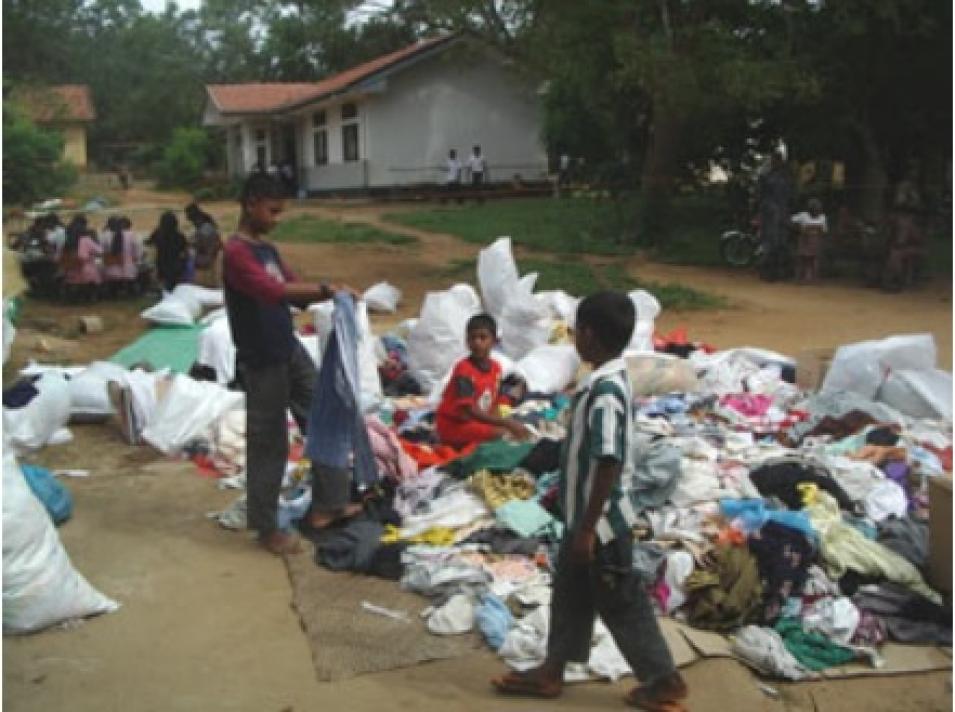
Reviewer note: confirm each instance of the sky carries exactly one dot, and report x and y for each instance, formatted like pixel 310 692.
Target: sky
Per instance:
pixel 160 5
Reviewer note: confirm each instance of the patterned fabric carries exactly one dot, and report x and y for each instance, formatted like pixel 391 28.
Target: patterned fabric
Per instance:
pixel 601 423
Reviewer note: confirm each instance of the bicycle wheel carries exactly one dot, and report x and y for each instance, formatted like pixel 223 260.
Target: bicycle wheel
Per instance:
pixel 738 248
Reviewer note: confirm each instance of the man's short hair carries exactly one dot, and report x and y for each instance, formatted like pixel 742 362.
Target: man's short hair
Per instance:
pixel 259 186
pixel 610 316
pixel 482 321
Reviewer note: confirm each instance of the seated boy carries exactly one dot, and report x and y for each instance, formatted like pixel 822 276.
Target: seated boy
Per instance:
pixel 594 574
pixel 468 410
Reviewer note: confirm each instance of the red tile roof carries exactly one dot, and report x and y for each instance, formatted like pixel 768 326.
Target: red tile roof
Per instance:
pixel 258 97
pixel 64 102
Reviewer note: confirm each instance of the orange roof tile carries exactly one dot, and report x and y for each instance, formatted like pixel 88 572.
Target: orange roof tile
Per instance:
pixel 64 102
pixel 259 97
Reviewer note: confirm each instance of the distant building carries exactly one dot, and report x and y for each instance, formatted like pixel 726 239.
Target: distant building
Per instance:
pixel 387 122
pixel 67 108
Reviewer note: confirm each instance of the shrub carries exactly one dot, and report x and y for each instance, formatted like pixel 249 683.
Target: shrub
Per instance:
pixel 33 165
pixel 184 159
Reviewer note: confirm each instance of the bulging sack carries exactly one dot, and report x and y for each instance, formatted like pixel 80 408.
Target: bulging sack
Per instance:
pixel 89 394
pixel 174 310
pixel 548 369
pixel 187 410
pixel 436 341
pixel 382 297
pixel 658 374
pixel 40 585
pixel 497 275
pixel 35 424
pixel 863 367
pixel 647 308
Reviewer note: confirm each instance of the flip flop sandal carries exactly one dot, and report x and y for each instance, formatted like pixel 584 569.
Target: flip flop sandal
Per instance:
pixel 517 685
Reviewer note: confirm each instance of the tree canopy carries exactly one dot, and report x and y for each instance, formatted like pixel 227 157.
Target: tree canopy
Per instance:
pixel 654 88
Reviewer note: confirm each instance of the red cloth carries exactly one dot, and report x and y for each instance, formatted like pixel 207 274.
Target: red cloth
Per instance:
pixel 473 385
pixel 247 274
pixel 432 455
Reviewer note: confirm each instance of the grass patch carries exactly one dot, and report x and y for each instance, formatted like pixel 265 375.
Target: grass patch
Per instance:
pixel 307 228
pixel 580 279
pixel 573 225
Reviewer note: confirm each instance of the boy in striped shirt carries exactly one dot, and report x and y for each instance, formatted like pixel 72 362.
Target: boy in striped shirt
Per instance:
pixel 594 569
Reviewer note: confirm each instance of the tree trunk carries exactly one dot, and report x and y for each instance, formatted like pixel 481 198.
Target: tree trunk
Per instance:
pixel 658 174
pixel 873 178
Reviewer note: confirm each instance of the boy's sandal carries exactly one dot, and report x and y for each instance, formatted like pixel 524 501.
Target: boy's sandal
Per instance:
pixel 521 684
pixel 641 699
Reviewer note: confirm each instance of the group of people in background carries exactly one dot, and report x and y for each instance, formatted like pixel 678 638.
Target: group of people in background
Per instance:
pixel 77 261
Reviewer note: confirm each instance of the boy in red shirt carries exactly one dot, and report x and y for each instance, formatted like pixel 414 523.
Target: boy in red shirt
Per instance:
pixel 468 410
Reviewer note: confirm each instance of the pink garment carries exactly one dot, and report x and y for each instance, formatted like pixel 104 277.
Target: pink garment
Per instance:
pixel 85 270
pixel 128 268
pixel 392 460
pixel 748 404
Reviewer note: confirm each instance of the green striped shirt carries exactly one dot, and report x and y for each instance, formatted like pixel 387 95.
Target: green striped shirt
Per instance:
pixel 601 423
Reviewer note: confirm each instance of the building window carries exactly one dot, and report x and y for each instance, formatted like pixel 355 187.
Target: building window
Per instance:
pixel 349 132
pixel 320 138
pixel 261 149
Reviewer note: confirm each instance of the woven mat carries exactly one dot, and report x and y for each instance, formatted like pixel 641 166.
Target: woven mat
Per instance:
pixel 347 640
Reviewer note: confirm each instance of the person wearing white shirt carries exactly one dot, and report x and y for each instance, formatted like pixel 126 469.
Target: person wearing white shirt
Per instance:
pixel 812 227
pixel 453 167
pixel 478 167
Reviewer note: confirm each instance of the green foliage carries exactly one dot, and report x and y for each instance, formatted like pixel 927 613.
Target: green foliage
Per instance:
pixel 33 167
pixel 307 228
pixel 184 160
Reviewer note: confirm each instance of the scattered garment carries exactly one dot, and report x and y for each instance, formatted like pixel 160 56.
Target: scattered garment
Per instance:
pixel 726 594
pixel 391 460
pixel 909 617
pixel 495 456
pixel 498 490
pixel 454 617
pixel 502 540
pixel 455 507
pixel 783 555
pixel 494 620
pixel 764 649
pixel 349 547
pixel 813 651
pixel 527 518
pixel 432 455
pixel 844 548
pixel 907 536
pixel 781 479
pixel 656 470
pixel 835 618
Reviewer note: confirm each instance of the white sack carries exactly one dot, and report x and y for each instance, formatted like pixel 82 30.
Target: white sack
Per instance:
pixel 497 275
pixel 654 374
pixel 217 350
pixel 173 311
pixel 382 297
pixel 187 410
pixel 920 394
pixel 34 425
pixel 647 308
pixel 369 381
pixel 205 296
pixel 863 367
pixel 437 340
pixel 89 394
pixel 560 305
pixel 549 368
pixel 525 324
pixel 40 585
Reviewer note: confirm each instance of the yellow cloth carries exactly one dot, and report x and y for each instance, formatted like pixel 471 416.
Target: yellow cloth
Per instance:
pixel 435 536
pixel 498 490
pixel 845 548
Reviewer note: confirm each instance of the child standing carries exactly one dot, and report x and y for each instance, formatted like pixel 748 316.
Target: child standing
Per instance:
pixel 594 575
pixel 273 366
pixel 468 410
pixel 812 227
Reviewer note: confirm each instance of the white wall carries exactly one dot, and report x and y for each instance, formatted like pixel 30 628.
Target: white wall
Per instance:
pixel 453 100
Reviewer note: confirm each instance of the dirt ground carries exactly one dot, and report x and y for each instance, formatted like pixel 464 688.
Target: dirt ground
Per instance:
pixel 206 622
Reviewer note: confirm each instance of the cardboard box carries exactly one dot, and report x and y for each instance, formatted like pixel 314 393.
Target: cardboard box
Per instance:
pixel 940 532
pixel 812 366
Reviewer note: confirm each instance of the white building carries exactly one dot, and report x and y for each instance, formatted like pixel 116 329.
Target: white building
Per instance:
pixel 388 122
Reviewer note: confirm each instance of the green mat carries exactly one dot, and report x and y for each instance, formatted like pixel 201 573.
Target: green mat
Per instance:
pixel 172 347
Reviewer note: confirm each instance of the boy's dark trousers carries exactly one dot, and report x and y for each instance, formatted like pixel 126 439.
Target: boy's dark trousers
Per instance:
pixel 269 391
pixel 606 587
